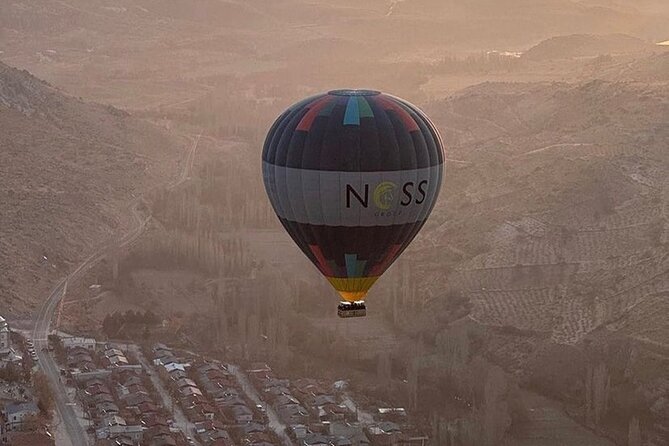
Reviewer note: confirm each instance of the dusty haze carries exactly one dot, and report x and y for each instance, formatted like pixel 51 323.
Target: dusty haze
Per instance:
pixel 533 308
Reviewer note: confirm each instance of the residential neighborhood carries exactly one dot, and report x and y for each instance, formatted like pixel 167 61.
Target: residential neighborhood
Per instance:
pixel 154 395
pixel 318 413
pixel 23 417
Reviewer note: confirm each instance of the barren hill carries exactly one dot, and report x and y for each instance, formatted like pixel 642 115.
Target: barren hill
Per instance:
pixel 513 22
pixel 651 69
pixel 554 204
pixel 67 167
pixel 586 45
pixel 552 234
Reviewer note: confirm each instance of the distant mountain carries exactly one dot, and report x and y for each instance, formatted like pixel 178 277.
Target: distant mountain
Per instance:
pixel 80 19
pixel 513 22
pixel 586 45
pixel 67 167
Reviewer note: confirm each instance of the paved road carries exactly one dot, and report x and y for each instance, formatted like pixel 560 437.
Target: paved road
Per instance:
pixel 76 432
pixel 274 423
pixel 47 364
pixel 179 418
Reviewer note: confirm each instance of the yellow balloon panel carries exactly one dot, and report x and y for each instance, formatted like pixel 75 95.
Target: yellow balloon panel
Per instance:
pixel 353 288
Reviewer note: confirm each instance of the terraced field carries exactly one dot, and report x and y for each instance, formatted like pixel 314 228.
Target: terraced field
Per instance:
pixel 532 309
pixel 648 319
pixel 571 206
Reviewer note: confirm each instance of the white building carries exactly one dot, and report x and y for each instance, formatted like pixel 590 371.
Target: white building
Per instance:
pixel 135 433
pixel 7 353
pixel 87 343
pixel 4 335
pixel 15 414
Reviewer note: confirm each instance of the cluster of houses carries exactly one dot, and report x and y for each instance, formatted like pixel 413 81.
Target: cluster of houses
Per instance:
pixel 86 355
pixel 22 426
pixel 83 356
pixel 316 415
pixel 113 357
pixel 20 421
pixel 80 359
pixel 125 412
pixel 117 397
pixel 213 401
pixel 310 411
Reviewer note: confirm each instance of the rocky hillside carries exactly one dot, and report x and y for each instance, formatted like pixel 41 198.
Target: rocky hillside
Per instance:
pixel 555 197
pixel 67 167
pixel 549 248
pixel 586 45
pixel 651 69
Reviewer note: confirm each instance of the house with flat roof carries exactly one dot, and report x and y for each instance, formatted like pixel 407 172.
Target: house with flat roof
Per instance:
pixel 134 432
pixel 15 415
pixel 87 343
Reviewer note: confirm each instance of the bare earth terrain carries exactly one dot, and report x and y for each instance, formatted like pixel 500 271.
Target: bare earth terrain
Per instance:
pixel 67 169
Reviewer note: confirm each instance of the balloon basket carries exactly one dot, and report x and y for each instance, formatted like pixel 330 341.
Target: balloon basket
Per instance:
pixel 352 309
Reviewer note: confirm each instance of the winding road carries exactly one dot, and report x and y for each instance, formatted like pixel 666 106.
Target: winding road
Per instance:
pixel 42 327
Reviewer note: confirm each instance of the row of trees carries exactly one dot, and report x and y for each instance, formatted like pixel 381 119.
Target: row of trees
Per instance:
pixel 204 252
pixel 225 197
pixel 13 374
pixel 43 392
pixel 113 325
pixel 469 400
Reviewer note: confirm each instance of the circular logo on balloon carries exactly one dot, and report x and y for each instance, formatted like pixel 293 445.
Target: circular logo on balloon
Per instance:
pixel 384 195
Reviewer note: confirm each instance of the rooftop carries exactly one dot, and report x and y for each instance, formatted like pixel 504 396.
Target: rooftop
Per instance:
pixel 13 408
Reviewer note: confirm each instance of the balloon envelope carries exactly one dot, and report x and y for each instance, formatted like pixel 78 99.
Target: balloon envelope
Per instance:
pixel 352 176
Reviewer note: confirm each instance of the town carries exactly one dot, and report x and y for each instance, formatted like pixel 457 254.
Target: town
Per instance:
pixel 127 394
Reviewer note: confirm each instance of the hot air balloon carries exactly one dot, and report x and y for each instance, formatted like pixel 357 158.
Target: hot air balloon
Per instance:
pixel 352 175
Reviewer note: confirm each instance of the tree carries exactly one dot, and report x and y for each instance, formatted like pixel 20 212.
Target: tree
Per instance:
pixel 43 392
pixel 31 423
pixel 597 390
pixel 151 318
pixel 383 368
pixel 27 366
pixel 496 418
pixel 10 373
pixel 634 433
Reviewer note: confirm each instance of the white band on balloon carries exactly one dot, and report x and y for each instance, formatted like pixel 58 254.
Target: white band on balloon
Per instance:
pixel 335 198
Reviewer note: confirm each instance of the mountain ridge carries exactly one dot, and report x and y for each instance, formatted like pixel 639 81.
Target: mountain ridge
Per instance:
pixel 67 167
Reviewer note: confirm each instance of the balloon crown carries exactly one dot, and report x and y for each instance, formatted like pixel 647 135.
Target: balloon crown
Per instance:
pixel 353 92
